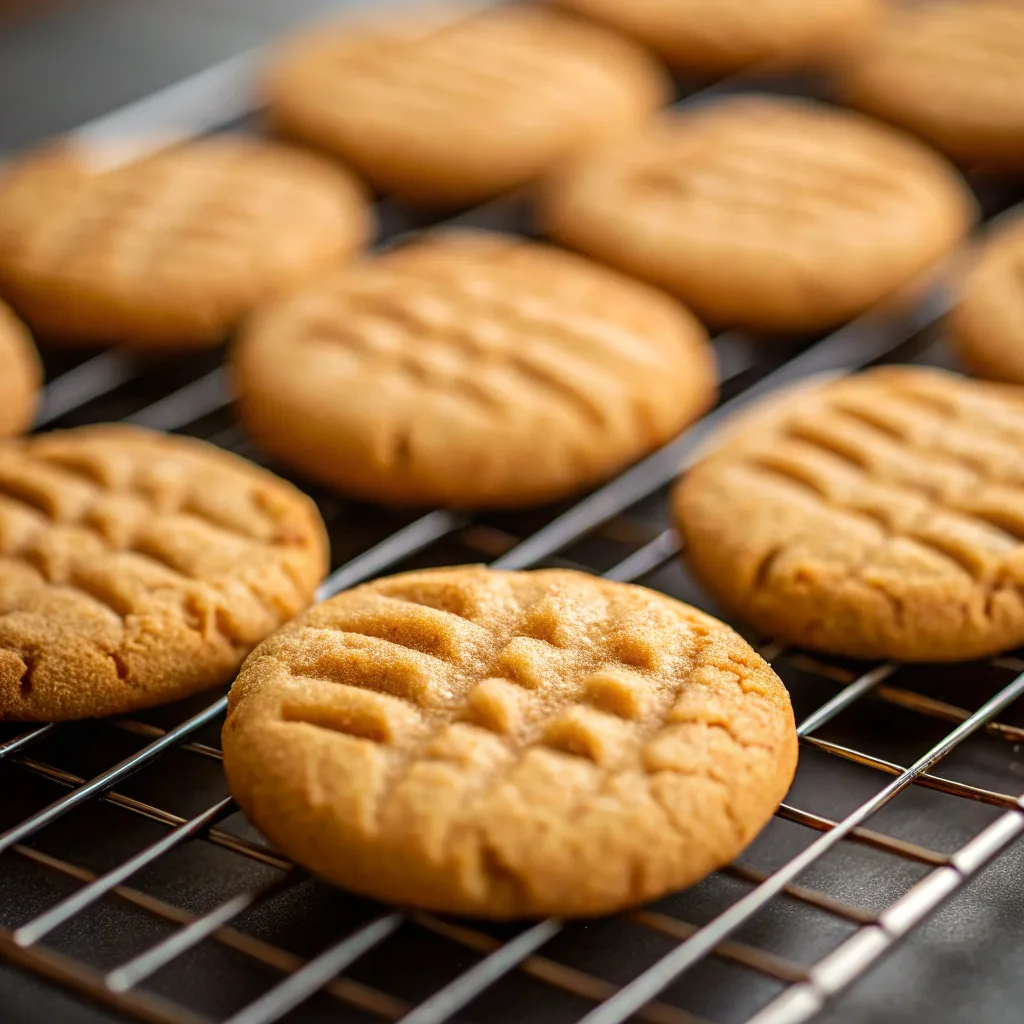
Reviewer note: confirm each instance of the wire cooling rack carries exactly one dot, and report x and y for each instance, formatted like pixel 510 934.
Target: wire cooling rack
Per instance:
pixel 141 887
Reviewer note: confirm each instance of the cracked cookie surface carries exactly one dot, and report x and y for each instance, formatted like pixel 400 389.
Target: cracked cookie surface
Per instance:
pixel 471 370
pixel 453 109
pixel 171 250
pixel 987 327
pixel 137 568
pixel 770 213
pixel 508 744
pixel 722 36
pixel 20 375
pixel 879 516
pixel 951 72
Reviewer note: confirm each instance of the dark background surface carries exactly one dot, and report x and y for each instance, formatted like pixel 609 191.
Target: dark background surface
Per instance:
pixel 66 62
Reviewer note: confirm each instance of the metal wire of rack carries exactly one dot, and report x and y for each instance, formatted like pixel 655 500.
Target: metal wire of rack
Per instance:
pixel 615 531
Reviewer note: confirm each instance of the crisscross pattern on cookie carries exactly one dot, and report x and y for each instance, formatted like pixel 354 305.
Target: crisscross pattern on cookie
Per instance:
pixel 135 551
pixel 509 67
pixel 468 711
pixel 488 340
pixel 762 164
pixel 175 246
pixel 900 485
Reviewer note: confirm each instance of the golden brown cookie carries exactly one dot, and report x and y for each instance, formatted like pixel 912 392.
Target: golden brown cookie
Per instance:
pixel 879 516
pixel 775 214
pixel 470 370
pixel 508 744
pixel 20 375
pixel 137 568
pixel 453 110
pixel 987 328
pixel 171 251
pixel 717 37
pixel 953 72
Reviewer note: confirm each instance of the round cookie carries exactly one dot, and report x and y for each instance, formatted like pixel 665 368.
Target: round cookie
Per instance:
pixel 769 213
pixel 470 370
pixel 138 568
pixel 453 111
pixel 987 328
pixel 508 744
pixel 716 37
pixel 953 72
pixel 879 516
pixel 20 375
pixel 170 251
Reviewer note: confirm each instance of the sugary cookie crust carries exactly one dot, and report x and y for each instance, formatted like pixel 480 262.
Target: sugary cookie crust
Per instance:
pixel 471 369
pixel 137 568
pixel 880 516
pixel 508 744
pixel 456 109
pixel 771 213
pixel 170 251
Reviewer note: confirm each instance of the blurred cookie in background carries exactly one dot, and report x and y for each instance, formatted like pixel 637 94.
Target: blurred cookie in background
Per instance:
pixel 471 370
pixel 453 108
pixel 716 37
pixel 952 71
pixel 169 252
pixel 987 328
pixel 769 213
pixel 20 375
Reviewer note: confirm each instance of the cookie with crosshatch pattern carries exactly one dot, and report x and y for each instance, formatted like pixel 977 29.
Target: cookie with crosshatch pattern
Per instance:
pixel 169 251
pixel 470 369
pixel 716 37
pixel 453 106
pixel 877 516
pixel 20 375
pixel 138 568
pixel 952 72
pixel 771 213
pixel 508 744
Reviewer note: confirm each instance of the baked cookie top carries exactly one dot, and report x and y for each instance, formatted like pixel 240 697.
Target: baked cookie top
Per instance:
pixel 879 516
pixel 137 568
pixel 508 744
pixel 454 108
pixel 987 328
pixel 170 251
pixel 471 369
pixel 721 36
pixel 772 213
pixel 951 71
pixel 20 375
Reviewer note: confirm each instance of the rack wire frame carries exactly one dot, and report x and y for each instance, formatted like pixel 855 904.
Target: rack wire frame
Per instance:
pixel 222 95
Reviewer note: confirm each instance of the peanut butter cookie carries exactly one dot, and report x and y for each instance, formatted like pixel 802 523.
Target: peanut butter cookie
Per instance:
pixel 987 328
pixel 953 72
pixel 170 251
pixel 137 568
pixel 508 744
pixel 457 109
pixel 716 37
pixel 20 375
pixel 471 370
pixel 775 214
pixel 879 516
